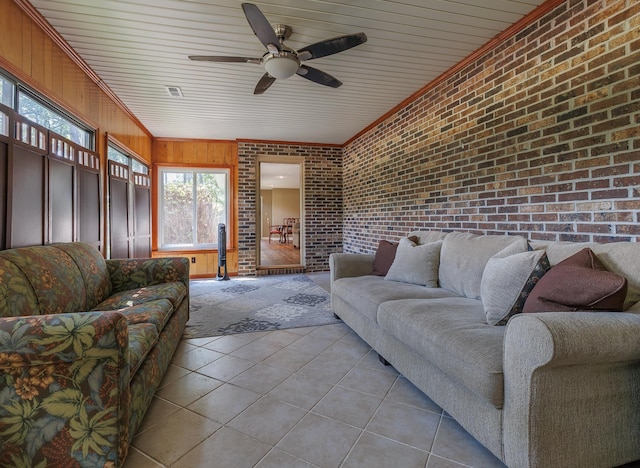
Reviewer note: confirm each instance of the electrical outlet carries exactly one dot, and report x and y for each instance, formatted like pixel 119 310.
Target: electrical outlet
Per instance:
pixel 193 259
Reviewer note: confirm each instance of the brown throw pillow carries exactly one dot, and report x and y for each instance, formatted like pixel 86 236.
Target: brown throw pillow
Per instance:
pixel 384 257
pixel 580 282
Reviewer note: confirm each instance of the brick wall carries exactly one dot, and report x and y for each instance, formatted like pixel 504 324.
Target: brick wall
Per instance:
pixel 322 201
pixel 539 136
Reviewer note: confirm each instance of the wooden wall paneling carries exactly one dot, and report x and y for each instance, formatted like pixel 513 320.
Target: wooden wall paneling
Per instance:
pixel 47 63
pixel 37 58
pixel 13 27
pixel 25 29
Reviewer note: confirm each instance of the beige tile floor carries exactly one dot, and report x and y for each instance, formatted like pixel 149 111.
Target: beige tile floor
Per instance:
pixel 302 397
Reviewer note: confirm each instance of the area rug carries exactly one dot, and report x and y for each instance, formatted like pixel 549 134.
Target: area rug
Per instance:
pixel 248 304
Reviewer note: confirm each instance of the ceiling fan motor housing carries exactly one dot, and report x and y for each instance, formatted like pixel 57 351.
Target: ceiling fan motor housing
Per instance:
pixel 281 65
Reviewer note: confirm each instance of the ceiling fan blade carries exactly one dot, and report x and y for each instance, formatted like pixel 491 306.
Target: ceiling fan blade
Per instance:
pixel 264 83
pixel 331 46
pixel 318 76
pixel 219 58
pixel 261 26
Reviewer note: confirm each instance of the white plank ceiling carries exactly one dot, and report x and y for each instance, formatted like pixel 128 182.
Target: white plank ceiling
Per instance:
pixel 138 47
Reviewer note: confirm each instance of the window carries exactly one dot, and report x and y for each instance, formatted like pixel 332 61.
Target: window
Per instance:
pixel 117 156
pixel 6 91
pixel 52 119
pixel 192 202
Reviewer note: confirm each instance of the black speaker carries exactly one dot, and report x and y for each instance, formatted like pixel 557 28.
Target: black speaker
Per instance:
pixel 222 252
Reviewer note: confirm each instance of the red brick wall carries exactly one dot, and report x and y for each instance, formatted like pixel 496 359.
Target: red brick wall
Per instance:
pixel 322 201
pixel 540 136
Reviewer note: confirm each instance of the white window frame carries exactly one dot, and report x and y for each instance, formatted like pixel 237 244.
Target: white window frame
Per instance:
pixel 161 212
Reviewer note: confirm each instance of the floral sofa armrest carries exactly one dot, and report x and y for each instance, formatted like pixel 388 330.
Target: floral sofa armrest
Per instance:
pixel 134 273
pixel 64 383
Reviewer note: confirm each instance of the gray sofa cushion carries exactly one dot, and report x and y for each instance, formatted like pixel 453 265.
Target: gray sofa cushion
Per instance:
pixel 366 293
pixel 426 237
pixel 452 334
pixel 464 255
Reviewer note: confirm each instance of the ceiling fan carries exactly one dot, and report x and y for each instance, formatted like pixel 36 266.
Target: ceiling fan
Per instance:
pixel 281 61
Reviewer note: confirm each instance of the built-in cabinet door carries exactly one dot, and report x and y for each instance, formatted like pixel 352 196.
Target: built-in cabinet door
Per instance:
pixel 142 216
pixel 50 187
pixel 4 157
pixel 119 211
pixel 61 203
pixel 89 204
pixel 26 210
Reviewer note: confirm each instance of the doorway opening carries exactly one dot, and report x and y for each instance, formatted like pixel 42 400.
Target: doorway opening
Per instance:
pixel 280 215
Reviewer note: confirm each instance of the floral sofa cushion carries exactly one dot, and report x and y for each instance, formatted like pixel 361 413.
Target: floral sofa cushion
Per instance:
pixel 93 268
pixel 174 292
pixel 154 312
pixel 53 276
pixel 17 297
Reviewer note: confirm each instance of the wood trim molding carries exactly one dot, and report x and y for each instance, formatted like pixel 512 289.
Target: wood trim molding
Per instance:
pixel 37 18
pixel 196 140
pixel 289 143
pixel 512 30
pixel 117 143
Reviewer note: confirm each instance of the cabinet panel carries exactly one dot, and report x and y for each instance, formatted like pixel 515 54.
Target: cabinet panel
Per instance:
pixel 61 201
pixel 26 209
pixel 89 207
pixel 119 217
pixel 142 214
pixel 4 157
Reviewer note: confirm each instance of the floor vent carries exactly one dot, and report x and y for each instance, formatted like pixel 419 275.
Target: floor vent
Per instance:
pixel 280 271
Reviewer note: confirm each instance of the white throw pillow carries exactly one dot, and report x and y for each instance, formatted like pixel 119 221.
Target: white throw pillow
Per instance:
pixel 507 281
pixel 416 264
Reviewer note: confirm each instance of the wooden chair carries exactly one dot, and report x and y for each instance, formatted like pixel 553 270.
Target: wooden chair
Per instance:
pixel 287 228
pixel 277 229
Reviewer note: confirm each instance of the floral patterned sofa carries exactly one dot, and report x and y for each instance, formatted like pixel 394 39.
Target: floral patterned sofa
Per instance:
pixel 84 343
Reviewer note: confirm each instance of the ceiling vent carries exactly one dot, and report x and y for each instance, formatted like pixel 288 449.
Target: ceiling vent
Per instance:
pixel 174 91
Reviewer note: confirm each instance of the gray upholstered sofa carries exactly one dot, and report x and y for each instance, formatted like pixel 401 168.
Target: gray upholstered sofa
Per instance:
pixel 547 390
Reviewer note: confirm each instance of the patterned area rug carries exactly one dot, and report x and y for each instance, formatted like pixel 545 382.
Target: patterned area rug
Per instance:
pixel 250 304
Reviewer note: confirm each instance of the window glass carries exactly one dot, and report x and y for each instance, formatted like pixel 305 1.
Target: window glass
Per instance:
pixel 7 88
pixel 192 204
pixel 118 156
pixel 52 119
pixel 138 167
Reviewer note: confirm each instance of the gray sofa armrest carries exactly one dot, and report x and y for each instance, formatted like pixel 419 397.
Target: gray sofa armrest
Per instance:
pixel 345 265
pixel 572 389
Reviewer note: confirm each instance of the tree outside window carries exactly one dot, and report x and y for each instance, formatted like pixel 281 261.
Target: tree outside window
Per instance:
pixel 52 120
pixel 192 204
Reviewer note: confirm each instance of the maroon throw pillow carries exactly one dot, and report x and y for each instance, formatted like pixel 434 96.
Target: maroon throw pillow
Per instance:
pixel 580 282
pixel 385 255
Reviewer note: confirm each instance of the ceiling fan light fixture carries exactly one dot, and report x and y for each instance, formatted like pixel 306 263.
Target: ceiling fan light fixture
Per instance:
pixel 282 66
